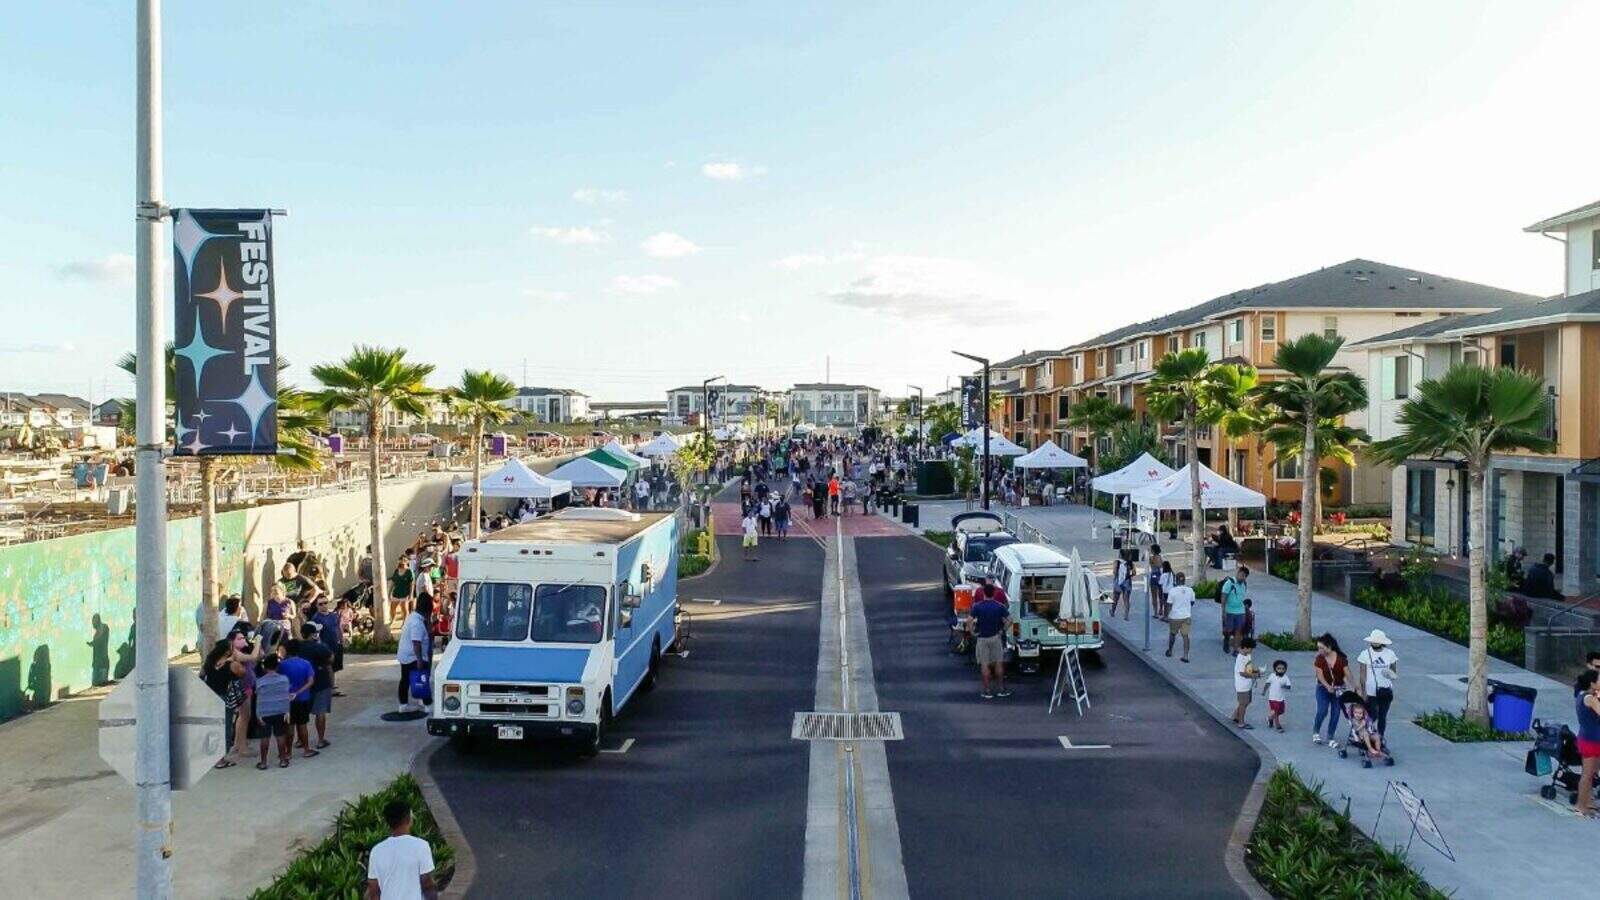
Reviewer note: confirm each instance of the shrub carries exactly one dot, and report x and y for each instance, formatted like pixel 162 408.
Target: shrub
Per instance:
pixel 337 867
pixel 1288 570
pixel 1303 848
pixel 366 643
pixel 1366 511
pixel 939 539
pixel 1284 641
pixel 1436 612
pixel 1457 730
pixel 1206 589
pixel 692 564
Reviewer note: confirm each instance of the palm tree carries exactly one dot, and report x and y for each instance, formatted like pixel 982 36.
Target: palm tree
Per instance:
pixel 1188 387
pixel 1471 413
pixel 1308 397
pixel 480 399
pixel 297 424
pixel 1100 415
pixel 371 381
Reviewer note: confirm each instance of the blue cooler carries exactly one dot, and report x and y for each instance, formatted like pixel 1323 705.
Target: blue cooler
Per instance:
pixel 1511 707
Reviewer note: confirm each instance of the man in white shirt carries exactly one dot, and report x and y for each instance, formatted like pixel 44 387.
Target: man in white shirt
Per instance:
pixel 415 648
pixel 641 494
pixel 400 866
pixel 1180 613
pixel 1378 666
pixel 750 540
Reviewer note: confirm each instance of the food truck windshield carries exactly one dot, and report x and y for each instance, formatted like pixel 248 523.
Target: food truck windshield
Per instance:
pixel 557 613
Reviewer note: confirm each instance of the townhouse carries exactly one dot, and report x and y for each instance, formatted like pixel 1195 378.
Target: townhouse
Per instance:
pixel 43 410
pixel 1545 502
pixel 551 404
pixel 1356 300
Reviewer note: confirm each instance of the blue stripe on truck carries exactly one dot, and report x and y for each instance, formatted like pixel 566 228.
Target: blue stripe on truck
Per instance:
pixel 518 663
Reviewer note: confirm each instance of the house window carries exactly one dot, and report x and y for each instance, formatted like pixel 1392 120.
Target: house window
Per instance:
pixel 1269 327
pixel 1469 356
pixel 1508 354
pixel 1172 344
pixel 1402 377
pixel 1017 413
pixel 1063 408
pixel 1144 349
pixel 1594 249
pixel 1236 331
pixel 1199 339
pixel 1420 506
pixel 1077 364
pixel 1122 355
pixel 1330 327
pixel 1287 468
pixel 1100 360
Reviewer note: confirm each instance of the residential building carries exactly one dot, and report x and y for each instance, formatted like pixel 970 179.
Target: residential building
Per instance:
pixel 440 415
pixel 43 410
pixel 556 405
pixel 729 402
pixel 842 405
pixel 109 412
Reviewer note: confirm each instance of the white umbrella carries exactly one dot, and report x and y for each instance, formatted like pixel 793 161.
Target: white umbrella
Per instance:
pixel 1078 596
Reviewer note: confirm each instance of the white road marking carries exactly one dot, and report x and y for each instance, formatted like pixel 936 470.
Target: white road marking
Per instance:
pixel 627 744
pixel 1067 743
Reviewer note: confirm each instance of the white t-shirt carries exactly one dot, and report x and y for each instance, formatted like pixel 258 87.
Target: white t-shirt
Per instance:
pixel 1167 582
pixel 1278 686
pixel 415 629
pixel 1181 601
pixel 424 584
pixel 750 526
pixel 1241 681
pixel 1380 668
pixel 398 863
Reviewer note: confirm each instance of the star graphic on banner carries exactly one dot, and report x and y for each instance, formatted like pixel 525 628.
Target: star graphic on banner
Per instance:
pixel 187 236
pixel 201 417
pixel 223 294
pixel 179 427
pixel 198 352
pixel 196 445
pixel 255 402
pixel 231 433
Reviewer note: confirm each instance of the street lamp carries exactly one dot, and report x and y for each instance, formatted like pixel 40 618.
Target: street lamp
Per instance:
pixel 984 400
pixel 705 417
pixel 919 417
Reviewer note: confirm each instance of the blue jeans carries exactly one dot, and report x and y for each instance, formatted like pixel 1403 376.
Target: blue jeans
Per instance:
pixel 1327 705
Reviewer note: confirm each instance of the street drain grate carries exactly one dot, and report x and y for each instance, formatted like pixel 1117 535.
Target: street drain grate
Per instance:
pixel 837 726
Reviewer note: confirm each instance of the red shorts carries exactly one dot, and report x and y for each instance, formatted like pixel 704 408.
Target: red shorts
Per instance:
pixel 1277 706
pixel 1588 749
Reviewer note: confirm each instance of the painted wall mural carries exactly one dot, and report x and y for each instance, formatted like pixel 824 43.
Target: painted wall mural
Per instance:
pixel 66 606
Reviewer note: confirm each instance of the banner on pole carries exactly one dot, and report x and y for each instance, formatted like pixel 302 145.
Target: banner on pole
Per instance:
pixel 224 332
pixel 971 402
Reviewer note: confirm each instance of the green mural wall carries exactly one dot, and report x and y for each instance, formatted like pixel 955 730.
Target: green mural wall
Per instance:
pixel 66 606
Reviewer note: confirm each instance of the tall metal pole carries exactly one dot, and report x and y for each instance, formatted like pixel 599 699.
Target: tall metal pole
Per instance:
pixel 152 767
pixel 985 434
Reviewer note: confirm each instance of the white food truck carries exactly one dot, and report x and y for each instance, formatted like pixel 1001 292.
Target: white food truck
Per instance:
pixel 559 623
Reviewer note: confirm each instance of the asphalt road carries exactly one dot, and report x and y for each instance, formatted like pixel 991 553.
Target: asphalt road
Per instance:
pixel 709 801
pixel 990 803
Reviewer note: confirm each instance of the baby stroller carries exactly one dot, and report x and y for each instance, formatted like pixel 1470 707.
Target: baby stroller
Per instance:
pixel 1349 702
pixel 1555 753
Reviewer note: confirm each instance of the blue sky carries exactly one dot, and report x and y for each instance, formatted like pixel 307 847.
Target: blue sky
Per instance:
pixel 635 196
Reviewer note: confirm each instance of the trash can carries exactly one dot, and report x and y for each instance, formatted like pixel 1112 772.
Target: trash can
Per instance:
pixel 909 514
pixel 1512 706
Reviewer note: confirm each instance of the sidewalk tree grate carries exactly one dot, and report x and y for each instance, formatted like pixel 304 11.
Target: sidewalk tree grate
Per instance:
pixel 838 726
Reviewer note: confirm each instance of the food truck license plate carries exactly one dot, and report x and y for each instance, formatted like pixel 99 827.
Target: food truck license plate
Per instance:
pixel 510 732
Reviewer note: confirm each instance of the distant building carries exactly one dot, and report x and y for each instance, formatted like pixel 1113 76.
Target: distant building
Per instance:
pixel 109 413
pixel 843 405
pixel 556 405
pixel 440 415
pixel 729 402
pixel 43 410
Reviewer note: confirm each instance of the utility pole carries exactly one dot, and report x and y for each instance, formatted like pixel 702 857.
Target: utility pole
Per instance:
pixel 983 399
pixel 920 439
pixel 705 426
pixel 152 759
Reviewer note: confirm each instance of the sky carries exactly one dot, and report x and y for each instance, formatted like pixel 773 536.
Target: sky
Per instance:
pixel 622 198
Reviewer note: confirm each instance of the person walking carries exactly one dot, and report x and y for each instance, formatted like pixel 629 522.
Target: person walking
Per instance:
pixel 400 867
pixel 1276 690
pixel 1332 670
pixel 1152 580
pixel 1377 667
pixel 764 516
pixel 1244 682
pixel 1167 583
pixel 1588 705
pixel 990 616
pixel 751 540
pixel 415 650
pixel 1180 614
pixel 1122 575
pixel 1232 593
pixel 780 517
pixel 833 494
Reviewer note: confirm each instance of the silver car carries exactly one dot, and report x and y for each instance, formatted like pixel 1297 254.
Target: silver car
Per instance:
pixel 976 536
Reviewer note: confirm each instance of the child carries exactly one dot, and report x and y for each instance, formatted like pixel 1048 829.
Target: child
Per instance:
pixel 1362 732
pixel 1276 690
pixel 1167 583
pixel 1244 681
pixel 1247 627
pixel 272 710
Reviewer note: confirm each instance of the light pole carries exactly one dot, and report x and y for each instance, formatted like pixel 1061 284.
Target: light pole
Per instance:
pixel 984 400
pixel 152 755
pixel 705 420
pixel 919 417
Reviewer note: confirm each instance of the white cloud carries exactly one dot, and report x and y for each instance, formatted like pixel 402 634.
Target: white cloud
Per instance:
pixel 572 237
pixel 931 289
pixel 667 245
pixel 114 268
pixel 600 196
pixel 731 171
pixel 812 260
pixel 643 284
pixel 545 294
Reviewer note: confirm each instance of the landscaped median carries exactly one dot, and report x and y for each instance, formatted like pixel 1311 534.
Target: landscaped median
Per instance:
pixel 1436 612
pixel 1302 847
pixel 699 550
pixel 337 867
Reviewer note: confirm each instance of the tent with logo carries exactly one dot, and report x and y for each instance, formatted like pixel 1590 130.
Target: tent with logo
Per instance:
pixel 586 472
pixel 1049 456
pixel 515 480
pixel 1216 492
pixel 1142 472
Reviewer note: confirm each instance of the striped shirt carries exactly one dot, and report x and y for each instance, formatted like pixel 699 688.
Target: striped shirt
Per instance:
pixel 272 695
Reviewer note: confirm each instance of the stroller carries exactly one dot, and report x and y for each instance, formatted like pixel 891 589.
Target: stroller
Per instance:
pixel 1555 753
pixel 1350 701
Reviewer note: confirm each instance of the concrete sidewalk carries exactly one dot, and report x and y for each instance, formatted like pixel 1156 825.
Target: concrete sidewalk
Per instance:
pixel 1488 810
pixel 67 820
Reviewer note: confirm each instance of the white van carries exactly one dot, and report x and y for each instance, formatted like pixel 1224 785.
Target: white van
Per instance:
pixel 1034 577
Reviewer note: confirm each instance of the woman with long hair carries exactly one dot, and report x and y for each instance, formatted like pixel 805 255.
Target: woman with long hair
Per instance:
pixel 1332 669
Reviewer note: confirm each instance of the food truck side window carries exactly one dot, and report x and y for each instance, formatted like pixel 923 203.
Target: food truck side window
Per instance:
pixel 493 611
pixel 1042 594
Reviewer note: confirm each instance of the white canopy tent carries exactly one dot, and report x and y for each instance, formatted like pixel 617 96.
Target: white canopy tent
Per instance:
pixel 616 449
pixel 999 445
pixel 1142 472
pixel 662 445
pixel 586 473
pixel 515 480
pixel 1049 456
pixel 1216 492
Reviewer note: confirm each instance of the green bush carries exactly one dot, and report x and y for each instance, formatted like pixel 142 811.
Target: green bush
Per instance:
pixel 1285 642
pixel 1363 511
pixel 697 540
pixel 1457 730
pixel 337 867
pixel 692 564
pixel 1288 570
pixel 1205 589
pixel 366 643
pixel 940 539
pixel 1303 848
pixel 1436 612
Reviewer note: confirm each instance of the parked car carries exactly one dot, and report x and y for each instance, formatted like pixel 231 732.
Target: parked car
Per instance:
pixel 976 536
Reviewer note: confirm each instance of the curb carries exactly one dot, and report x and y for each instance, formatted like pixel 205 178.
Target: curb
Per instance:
pixel 466 863
pixel 1250 810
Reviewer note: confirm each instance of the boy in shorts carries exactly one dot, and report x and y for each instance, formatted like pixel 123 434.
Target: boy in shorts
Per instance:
pixel 1245 674
pixel 272 710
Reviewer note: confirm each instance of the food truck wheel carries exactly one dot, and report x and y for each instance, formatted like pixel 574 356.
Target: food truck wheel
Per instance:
pixel 591 747
pixel 653 674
